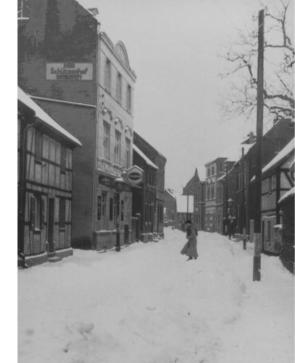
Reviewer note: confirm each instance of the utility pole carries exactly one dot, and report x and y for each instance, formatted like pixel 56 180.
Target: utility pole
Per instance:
pixel 244 220
pixel 259 134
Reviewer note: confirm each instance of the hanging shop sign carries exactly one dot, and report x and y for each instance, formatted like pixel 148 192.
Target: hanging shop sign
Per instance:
pixel 69 71
pixel 134 175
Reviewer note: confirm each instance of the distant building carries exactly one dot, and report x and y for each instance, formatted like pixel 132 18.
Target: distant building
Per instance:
pixel 85 82
pixel 195 188
pixel 213 211
pixel 160 161
pixel 170 210
pixel 45 172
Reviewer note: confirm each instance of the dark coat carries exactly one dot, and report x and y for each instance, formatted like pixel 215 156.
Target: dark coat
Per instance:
pixel 190 248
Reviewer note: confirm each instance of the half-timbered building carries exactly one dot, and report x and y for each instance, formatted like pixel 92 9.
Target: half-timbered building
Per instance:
pixel 44 184
pixel 276 181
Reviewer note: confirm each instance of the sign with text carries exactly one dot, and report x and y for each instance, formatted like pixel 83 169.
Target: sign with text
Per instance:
pixel 69 71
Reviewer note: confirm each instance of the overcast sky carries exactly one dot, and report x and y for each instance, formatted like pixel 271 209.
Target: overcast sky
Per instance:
pixel 174 47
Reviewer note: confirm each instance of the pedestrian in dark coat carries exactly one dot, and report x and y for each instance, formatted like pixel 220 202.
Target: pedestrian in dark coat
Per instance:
pixel 190 248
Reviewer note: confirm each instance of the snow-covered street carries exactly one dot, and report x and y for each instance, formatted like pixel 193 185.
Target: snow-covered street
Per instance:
pixel 147 304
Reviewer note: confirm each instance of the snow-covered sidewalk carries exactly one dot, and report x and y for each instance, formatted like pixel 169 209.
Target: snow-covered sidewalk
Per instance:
pixel 147 304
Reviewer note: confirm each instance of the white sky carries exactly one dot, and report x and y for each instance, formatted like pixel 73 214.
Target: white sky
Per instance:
pixel 174 46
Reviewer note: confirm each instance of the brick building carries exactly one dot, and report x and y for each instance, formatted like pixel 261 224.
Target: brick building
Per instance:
pixel 86 84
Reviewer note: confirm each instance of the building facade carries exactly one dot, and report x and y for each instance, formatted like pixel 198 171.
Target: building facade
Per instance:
pixel 84 82
pixel 170 210
pixel 213 210
pixel 144 201
pixel 160 161
pixel 287 253
pixel 277 180
pixel 44 184
pixel 195 188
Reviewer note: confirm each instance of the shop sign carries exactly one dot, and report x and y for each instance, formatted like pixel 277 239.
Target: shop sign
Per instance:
pixel 69 71
pixel 134 175
pixel 106 181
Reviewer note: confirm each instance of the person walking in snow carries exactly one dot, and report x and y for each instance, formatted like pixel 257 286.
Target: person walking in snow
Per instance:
pixel 190 248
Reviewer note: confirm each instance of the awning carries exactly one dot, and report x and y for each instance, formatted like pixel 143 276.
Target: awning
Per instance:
pixel 144 157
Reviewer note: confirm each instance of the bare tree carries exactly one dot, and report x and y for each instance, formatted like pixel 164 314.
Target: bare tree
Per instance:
pixel 279 62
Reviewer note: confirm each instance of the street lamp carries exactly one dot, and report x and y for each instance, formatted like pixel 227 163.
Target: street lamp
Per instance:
pixel 119 184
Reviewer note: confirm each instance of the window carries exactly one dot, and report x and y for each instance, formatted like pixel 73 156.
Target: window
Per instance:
pixel 268 231
pixel 122 210
pixel 128 152
pixel 117 201
pixel 269 185
pixel 37 209
pixel 274 182
pixel 38 146
pixel 98 207
pixel 111 209
pixel 106 140
pixel 119 88
pixel 62 213
pixel 103 203
pixel 63 159
pixel 129 98
pixel 118 147
pixel 107 75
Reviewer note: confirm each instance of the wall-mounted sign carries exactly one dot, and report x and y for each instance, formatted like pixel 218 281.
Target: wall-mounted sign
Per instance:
pixel 134 175
pixel 69 71
pixel 106 181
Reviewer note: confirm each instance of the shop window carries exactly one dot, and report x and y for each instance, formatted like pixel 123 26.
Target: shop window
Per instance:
pixel 98 207
pixel 103 203
pixel 111 209
pixel 38 146
pixel 62 213
pixel 122 210
pixel 268 231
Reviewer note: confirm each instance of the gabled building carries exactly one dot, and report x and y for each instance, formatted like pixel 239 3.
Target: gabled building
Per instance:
pixel 86 83
pixel 195 188
pixel 45 170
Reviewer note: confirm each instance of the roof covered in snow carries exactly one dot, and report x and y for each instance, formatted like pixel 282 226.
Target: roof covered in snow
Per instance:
pixel 287 150
pixel 144 157
pixel 44 117
pixel 185 203
pixel 287 195
pixel 87 8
